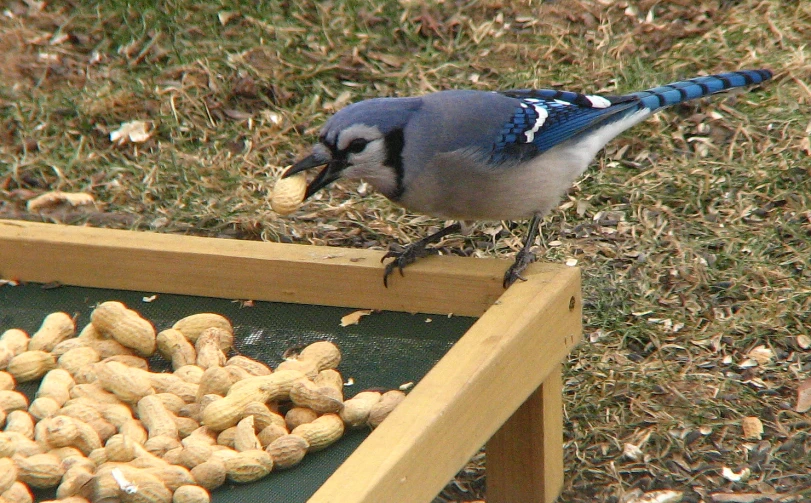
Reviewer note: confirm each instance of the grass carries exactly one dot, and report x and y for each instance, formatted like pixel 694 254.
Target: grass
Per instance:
pixel 693 230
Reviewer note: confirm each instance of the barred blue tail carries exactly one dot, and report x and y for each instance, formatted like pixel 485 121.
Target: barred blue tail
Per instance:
pixel 684 90
pixel 545 118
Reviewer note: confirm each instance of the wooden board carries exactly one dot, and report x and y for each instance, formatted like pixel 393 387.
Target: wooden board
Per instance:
pixel 228 268
pixel 525 456
pixel 466 397
pixel 522 336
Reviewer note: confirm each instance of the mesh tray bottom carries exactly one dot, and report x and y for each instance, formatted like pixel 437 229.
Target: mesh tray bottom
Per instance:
pixel 386 349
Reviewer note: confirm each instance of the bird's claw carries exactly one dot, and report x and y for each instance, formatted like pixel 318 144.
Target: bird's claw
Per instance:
pixel 402 258
pixel 522 259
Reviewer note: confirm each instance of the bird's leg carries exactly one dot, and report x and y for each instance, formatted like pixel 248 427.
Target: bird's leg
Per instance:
pixel 415 250
pixel 524 257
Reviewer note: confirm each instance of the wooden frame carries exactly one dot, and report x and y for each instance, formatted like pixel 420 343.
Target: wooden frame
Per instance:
pixel 500 382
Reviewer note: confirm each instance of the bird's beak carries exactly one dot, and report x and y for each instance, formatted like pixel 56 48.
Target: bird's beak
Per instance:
pixel 326 176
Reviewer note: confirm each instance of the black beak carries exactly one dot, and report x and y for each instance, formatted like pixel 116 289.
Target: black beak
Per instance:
pixel 325 177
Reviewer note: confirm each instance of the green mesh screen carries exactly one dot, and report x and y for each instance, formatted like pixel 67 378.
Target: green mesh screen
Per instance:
pixel 386 350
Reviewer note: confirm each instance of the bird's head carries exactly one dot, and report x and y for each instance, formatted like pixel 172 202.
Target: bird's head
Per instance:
pixel 364 140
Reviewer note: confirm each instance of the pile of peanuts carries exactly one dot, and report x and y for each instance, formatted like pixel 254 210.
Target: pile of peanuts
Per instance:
pixel 104 428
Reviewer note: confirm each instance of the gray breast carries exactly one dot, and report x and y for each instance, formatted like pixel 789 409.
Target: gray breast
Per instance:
pixel 446 154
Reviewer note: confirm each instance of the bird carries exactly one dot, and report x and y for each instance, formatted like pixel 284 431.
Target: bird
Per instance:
pixel 474 155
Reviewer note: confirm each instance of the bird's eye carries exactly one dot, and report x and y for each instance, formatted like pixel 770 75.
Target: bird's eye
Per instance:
pixel 356 145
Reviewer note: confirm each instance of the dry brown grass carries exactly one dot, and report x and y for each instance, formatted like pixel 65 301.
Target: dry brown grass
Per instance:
pixel 693 231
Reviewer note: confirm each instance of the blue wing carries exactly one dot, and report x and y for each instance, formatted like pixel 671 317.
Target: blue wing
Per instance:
pixel 545 118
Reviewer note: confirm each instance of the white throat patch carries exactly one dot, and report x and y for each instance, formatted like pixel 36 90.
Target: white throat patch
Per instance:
pixel 369 166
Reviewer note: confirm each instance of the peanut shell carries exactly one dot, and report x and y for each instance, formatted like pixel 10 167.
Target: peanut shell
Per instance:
pixel 331 378
pixel 66 345
pixel 66 453
pixel 21 422
pixel 215 381
pixel 56 385
pixel 190 373
pixel 191 494
pixel 23 445
pixel 252 366
pixel 40 470
pixel 18 493
pixel 120 448
pixel 7 445
pixel 192 326
pixel 16 340
pixel 156 418
pixel 128 360
pixel 161 444
pixel 209 353
pixel 262 415
pixel 288 194
pixel 7 381
pixel 227 436
pixel 297 416
pixel 77 481
pixel 64 431
pixel 124 325
pixel 287 450
pixel 78 363
pixel 308 368
pixel 95 393
pixel 356 410
pixel 8 474
pixel 752 428
pixel 31 365
pixel 150 489
pixel 126 383
pixel 55 328
pixel 271 433
pixel 117 414
pixel 210 474
pixel 381 410
pixel 322 432
pixel 6 355
pixel 12 400
pixel 102 343
pixel 245 467
pixel 176 348
pixel 185 426
pixel 172 456
pixel 324 354
pixel 172 476
pixel 305 393
pixel 170 383
pixel 201 434
pixel 223 413
pixel 245 436
pixel 195 453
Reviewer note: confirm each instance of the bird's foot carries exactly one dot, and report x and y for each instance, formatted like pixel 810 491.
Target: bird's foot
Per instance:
pixel 408 255
pixel 522 259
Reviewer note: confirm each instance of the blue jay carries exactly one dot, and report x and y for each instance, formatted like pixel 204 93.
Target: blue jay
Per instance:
pixel 476 155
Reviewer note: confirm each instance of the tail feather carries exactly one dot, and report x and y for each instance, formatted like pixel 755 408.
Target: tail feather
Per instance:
pixel 565 116
pixel 633 108
pixel 684 90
